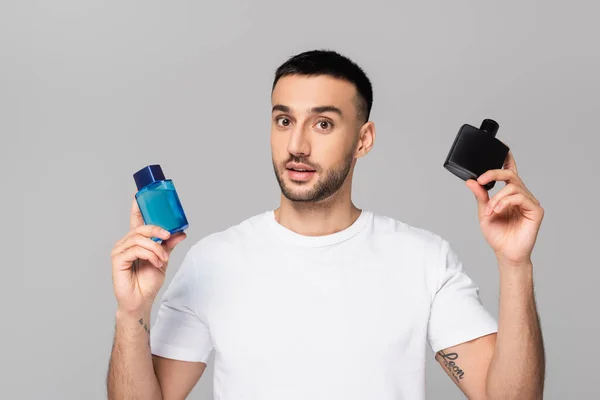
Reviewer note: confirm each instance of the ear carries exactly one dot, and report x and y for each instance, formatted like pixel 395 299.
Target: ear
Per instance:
pixel 366 139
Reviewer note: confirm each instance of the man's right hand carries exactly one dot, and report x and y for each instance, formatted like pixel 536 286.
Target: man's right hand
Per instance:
pixel 139 264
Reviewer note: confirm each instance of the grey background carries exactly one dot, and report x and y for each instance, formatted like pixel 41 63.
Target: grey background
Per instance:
pixel 91 91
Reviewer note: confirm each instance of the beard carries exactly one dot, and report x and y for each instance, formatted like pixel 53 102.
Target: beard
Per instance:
pixel 330 181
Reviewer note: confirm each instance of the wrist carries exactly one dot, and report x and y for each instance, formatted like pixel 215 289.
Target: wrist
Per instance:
pixel 519 265
pixel 136 318
pixel 131 328
pixel 515 277
pixel 126 311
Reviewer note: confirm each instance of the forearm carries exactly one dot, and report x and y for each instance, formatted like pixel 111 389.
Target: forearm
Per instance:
pixel 131 372
pixel 518 365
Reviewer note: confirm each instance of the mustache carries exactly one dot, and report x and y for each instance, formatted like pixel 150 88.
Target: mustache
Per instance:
pixel 301 160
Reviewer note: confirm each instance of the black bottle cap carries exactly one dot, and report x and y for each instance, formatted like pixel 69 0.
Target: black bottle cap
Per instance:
pixel 148 175
pixel 490 126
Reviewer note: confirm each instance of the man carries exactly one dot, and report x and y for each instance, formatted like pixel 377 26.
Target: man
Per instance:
pixel 319 299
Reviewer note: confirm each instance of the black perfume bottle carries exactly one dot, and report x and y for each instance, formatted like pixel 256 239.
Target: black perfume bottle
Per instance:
pixel 476 151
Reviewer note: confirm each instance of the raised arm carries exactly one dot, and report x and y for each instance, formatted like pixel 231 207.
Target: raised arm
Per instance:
pixel 139 266
pixel 510 221
pixel 509 364
pixel 135 373
pixel 517 370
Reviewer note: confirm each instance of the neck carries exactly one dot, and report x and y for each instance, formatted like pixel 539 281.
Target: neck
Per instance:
pixel 326 217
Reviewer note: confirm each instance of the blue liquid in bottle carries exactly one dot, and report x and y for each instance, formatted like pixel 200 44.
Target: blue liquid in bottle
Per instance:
pixel 158 200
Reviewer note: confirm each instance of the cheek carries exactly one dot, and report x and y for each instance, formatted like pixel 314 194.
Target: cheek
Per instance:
pixel 330 155
pixel 278 147
pixel 277 138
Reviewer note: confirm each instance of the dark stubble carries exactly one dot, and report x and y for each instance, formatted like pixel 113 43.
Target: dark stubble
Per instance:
pixel 329 182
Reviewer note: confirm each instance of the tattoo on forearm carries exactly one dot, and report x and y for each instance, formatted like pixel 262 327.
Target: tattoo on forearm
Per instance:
pixel 448 360
pixel 141 321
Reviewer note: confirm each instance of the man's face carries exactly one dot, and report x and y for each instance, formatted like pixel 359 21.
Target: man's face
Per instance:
pixel 314 133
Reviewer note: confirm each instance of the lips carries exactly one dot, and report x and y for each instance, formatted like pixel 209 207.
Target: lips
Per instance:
pixel 299 172
pixel 299 176
pixel 298 167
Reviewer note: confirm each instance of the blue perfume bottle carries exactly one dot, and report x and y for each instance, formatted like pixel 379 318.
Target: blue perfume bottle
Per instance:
pixel 158 200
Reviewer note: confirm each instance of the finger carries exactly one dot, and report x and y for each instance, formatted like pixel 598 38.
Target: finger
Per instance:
pixel 505 175
pixel 510 163
pixel 510 189
pixel 508 176
pixel 152 231
pixel 507 190
pixel 173 241
pixel 481 195
pixel 125 259
pixel 142 241
pixel 149 231
pixel 136 219
pixel 525 204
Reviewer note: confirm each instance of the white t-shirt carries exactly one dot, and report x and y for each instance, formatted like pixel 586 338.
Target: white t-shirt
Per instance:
pixel 345 316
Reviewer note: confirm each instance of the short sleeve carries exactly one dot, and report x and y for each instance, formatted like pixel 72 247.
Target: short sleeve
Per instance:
pixel 179 332
pixel 457 314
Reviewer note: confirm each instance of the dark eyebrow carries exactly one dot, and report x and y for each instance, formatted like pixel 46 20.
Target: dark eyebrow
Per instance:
pixel 314 110
pixel 324 109
pixel 280 107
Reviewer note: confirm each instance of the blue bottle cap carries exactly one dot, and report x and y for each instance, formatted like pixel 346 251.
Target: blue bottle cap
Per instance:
pixel 148 175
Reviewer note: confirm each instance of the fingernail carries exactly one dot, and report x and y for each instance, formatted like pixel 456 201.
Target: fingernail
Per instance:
pixel 498 207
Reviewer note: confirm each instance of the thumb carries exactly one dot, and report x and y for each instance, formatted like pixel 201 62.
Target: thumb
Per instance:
pixel 481 195
pixel 174 241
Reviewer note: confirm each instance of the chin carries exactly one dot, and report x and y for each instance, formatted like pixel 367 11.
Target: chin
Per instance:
pixel 306 185
pixel 299 191
pixel 295 198
pixel 302 191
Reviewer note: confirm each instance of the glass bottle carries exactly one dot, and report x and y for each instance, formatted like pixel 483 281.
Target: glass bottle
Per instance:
pixel 158 200
pixel 476 151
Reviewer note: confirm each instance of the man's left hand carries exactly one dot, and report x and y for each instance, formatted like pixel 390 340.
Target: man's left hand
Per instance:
pixel 510 220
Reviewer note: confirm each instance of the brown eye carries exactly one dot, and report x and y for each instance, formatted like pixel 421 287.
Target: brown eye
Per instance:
pixel 324 124
pixel 284 121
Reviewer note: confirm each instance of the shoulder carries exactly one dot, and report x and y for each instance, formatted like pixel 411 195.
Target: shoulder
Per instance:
pixel 229 240
pixel 410 236
pixel 420 245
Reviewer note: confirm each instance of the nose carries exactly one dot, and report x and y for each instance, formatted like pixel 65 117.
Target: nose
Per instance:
pixel 299 144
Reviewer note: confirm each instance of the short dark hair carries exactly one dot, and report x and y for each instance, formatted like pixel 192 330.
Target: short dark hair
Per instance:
pixel 329 62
